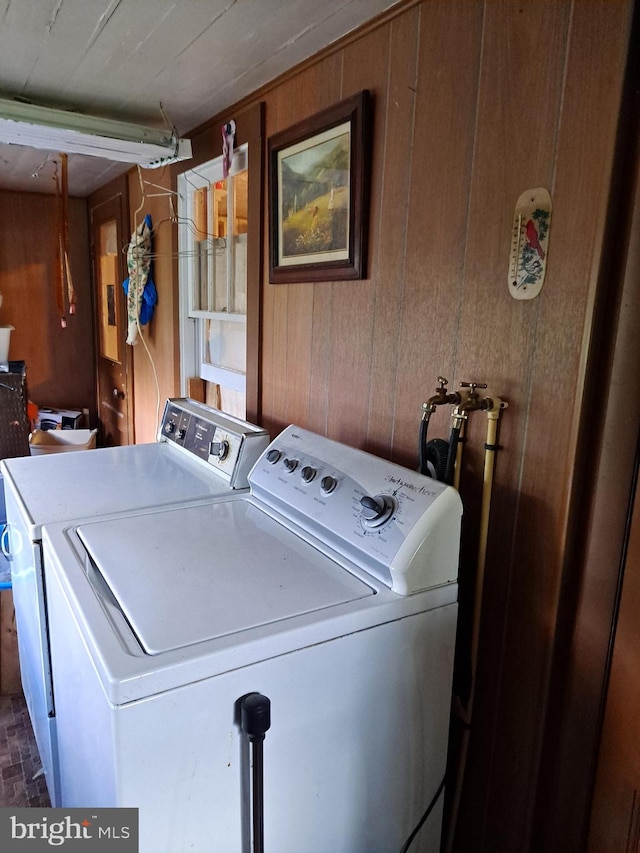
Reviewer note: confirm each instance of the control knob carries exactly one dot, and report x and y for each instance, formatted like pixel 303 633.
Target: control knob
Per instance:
pixel 169 427
pixel 308 473
pixel 220 449
pixel 376 510
pixel 290 465
pixel 273 456
pixel 328 484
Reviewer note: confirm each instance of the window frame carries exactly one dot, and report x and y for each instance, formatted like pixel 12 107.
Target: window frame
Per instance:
pixel 193 337
pixel 207 142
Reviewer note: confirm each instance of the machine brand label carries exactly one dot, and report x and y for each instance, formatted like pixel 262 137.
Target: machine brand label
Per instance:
pixel 33 829
pixel 405 484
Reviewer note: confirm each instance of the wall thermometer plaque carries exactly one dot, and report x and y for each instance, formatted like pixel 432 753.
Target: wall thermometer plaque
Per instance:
pixel 529 243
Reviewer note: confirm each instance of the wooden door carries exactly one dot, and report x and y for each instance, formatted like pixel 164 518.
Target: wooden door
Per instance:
pixel 114 374
pixel 615 815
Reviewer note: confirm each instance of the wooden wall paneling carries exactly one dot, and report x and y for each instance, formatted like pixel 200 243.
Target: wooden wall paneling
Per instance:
pixel 298 352
pixel 388 224
pixel 607 443
pixel 554 375
pixel 274 344
pixel 353 302
pixel 289 309
pixel 320 89
pixel 110 203
pixel 160 357
pixel 320 354
pixel 27 280
pixel 72 350
pixel 442 148
pixel 518 111
pixel 60 362
pixel 583 168
pixel 251 123
pixel 274 306
pixel 319 388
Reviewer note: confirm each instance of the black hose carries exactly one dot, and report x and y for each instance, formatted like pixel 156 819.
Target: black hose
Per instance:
pixel 454 438
pixel 422 444
pixel 258 795
pixel 437 454
pixel 407 844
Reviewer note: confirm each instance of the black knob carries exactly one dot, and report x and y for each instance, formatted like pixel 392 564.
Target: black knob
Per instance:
pixel 328 484
pixel 377 511
pixel 273 456
pixel 372 508
pixel 308 473
pixel 255 714
pixel 291 465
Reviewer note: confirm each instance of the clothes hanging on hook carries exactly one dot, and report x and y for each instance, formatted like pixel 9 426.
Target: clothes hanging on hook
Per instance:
pixel 65 292
pixel 139 286
pixel 228 141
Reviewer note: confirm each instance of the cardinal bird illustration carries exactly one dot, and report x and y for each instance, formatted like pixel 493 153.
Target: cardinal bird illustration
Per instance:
pixel 533 240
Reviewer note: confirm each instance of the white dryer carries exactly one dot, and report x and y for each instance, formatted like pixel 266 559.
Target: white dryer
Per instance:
pixel 201 454
pixel 330 589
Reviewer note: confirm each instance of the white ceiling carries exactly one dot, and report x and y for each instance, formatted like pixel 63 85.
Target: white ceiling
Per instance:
pixel 124 58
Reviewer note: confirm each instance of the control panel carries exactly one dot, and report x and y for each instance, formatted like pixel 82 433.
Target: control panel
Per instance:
pixel 397 524
pixel 226 444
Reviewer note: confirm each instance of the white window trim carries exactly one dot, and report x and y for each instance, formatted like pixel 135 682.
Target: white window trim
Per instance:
pixel 191 344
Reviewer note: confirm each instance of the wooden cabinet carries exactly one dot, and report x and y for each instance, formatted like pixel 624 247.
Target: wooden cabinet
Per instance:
pixel 9 665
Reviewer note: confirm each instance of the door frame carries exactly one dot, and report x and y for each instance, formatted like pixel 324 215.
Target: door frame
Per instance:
pixel 115 194
pixel 602 502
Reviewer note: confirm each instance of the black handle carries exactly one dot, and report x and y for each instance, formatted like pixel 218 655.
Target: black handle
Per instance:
pixel 255 721
pixel 255 712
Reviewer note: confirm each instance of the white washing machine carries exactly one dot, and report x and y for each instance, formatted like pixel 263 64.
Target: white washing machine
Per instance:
pixel 200 454
pixel 330 589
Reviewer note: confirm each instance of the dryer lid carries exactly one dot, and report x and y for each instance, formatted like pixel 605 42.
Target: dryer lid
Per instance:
pixel 186 575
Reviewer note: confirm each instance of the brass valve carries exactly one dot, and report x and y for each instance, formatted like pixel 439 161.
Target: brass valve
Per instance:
pixel 440 398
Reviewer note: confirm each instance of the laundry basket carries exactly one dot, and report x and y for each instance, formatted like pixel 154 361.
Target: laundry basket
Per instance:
pixel 61 440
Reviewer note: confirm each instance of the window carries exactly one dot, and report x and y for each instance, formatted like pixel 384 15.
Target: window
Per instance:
pixel 213 235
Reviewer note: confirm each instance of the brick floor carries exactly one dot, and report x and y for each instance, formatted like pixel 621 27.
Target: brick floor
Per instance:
pixel 21 779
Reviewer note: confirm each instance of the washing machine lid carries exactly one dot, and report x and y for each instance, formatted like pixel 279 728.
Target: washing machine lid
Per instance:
pixel 108 480
pixel 186 575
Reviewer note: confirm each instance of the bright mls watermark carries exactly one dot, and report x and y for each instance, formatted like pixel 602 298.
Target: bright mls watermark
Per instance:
pixel 27 830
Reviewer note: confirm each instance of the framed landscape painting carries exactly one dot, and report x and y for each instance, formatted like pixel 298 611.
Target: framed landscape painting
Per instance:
pixel 318 195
